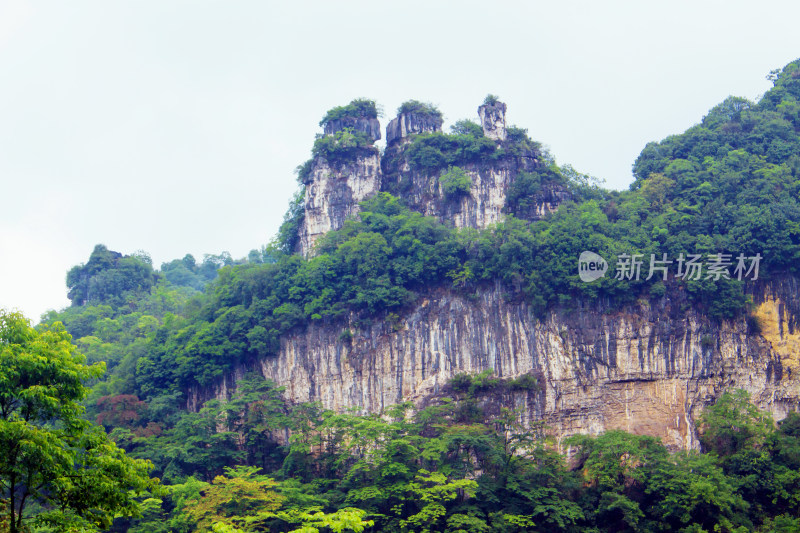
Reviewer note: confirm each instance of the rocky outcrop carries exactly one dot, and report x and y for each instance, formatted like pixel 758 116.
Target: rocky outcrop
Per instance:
pixel 648 368
pixel 481 206
pixel 332 194
pixel 542 203
pixel 486 201
pixel 406 124
pixel 493 120
pixel 369 126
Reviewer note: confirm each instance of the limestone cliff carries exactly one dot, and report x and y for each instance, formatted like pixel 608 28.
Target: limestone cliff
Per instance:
pixel 493 120
pixel 647 368
pixel 371 127
pixel 406 124
pixel 332 194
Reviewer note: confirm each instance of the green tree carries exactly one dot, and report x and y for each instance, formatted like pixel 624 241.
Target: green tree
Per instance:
pixel 732 424
pixel 49 455
pixel 455 182
pixel 233 497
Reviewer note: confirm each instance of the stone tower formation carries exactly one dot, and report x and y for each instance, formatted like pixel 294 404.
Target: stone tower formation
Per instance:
pixel 333 190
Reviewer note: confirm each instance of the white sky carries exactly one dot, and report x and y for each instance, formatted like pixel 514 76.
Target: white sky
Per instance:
pixel 174 126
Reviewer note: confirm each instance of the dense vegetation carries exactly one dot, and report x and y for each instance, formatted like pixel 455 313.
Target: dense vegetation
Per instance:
pixel 461 464
pixel 728 185
pixel 420 108
pixel 358 108
pixel 380 262
pixel 57 471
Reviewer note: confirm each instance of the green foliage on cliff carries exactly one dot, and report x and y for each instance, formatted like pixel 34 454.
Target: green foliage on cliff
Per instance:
pixel 420 108
pixel 491 99
pixel 467 127
pixel 438 150
pixel 466 145
pixel 340 147
pixel 288 233
pixel 358 108
pixel 455 182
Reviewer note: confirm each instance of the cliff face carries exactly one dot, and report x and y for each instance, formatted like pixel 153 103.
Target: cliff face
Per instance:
pixel 371 127
pixel 648 369
pixel 332 194
pixel 493 120
pixel 406 124
pixel 484 204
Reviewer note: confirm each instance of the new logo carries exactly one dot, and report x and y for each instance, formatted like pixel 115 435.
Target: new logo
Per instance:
pixel 591 266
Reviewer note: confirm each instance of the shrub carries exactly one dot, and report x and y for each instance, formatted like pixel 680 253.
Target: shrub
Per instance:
pixel 491 99
pixel 341 147
pixel 522 193
pixel 288 233
pixel 358 108
pixel 467 127
pixel 707 342
pixel 461 382
pixel 419 108
pixel 455 182
pixel 438 150
pixel 304 171
pixel 524 382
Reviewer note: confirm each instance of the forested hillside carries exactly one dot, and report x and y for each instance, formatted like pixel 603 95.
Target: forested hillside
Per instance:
pixel 461 462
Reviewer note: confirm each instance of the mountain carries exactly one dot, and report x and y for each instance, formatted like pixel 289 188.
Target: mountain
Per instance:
pixel 449 333
pixel 390 310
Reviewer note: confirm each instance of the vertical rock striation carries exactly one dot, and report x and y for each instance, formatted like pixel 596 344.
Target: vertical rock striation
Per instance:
pixel 648 368
pixel 406 124
pixel 493 120
pixel 371 127
pixel 332 194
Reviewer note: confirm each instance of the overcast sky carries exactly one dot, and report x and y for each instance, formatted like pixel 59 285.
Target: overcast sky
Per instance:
pixel 174 127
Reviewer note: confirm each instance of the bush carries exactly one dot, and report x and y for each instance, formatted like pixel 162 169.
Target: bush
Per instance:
pixel 522 193
pixel 707 342
pixel 467 127
pixel 358 108
pixel 346 336
pixel 419 108
pixel 341 147
pixel 491 99
pixel 455 182
pixel 437 150
pixel 524 382
pixel 288 233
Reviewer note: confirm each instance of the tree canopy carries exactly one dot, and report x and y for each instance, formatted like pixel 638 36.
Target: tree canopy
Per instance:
pixel 50 457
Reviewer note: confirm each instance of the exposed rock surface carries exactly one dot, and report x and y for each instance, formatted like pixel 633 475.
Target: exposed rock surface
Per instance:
pixel 493 120
pixel 332 194
pixel 484 204
pixel 407 123
pixel 370 126
pixel 648 369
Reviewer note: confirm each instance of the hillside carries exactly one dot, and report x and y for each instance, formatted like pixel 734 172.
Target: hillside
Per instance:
pixel 419 331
